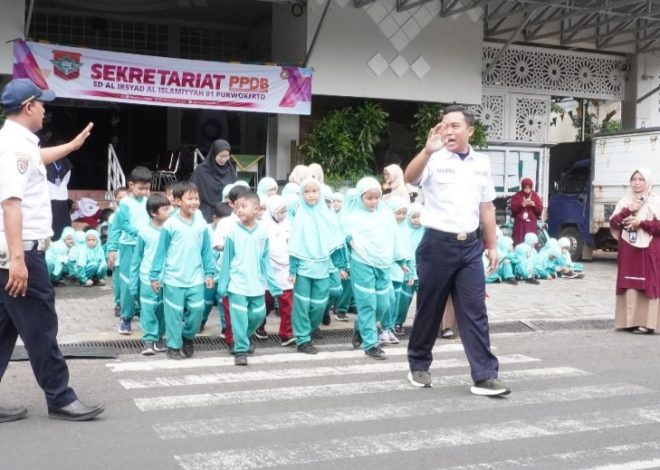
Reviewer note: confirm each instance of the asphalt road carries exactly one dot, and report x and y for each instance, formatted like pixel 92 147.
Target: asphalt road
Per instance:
pixel 580 400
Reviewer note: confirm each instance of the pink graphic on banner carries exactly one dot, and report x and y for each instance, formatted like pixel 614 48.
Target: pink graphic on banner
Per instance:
pixel 300 88
pixel 25 65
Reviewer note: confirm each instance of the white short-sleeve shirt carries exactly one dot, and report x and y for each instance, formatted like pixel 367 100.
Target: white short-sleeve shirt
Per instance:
pixel 453 189
pixel 23 176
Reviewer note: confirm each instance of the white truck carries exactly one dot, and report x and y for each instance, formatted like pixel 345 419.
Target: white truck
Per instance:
pixel 584 197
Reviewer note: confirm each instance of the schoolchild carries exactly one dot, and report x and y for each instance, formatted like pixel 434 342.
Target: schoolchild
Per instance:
pixel 371 230
pixel 152 319
pixel 315 245
pixel 119 194
pixel 244 273
pixel 131 216
pixel 278 228
pixel 337 201
pixel 220 211
pixel 570 269
pixel 508 261
pixel 399 208
pixel 266 188
pixel 335 291
pixel 91 267
pixel 415 232
pixel 57 256
pixel 182 266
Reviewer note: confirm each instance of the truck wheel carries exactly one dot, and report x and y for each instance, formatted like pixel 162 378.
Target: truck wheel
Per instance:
pixel 573 234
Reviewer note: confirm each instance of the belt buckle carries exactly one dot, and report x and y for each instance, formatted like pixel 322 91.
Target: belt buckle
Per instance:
pixel 461 236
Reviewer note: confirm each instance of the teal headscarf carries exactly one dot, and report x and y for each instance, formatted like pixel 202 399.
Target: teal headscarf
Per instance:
pixel 265 185
pixel 291 192
pixel 327 193
pixel 86 254
pixel 242 183
pixel 531 239
pixel 226 189
pixel 58 252
pixel 315 233
pixel 504 245
pixel 372 233
pixel 78 244
pixel 414 233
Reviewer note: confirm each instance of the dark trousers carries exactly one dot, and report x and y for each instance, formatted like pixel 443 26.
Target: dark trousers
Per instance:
pixel 444 267
pixel 61 217
pixel 33 317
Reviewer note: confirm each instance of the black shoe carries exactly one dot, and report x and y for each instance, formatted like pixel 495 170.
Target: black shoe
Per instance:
pixel 398 330
pixel 241 359
pixel 326 318
pixel 341 316
pixel 160 346
pixel 511 281
pixel 12 414
pixel 356 340
pixel 76 411
pixel 307 348
pixel 188 349
pixel 489 388
pixel 251 348
pixel 448 333
pixel 202 325
pixel 117 310
pixel 261 333
pixel 174 354
pixel 532 280
pixel 148 349
pixel 375 353
pixel 317 334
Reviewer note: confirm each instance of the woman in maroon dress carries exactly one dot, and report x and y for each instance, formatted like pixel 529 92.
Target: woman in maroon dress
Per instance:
pixel 635 224
pixel 526 208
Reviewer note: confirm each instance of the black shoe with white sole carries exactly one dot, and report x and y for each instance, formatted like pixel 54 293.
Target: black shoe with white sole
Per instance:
pixel 489 388
pixel 420 378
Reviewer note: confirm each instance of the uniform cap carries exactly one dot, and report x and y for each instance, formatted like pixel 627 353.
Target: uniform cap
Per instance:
pixel 21 91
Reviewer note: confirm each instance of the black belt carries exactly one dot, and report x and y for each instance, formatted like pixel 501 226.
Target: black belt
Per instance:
pixel 461 237
pixel 36 245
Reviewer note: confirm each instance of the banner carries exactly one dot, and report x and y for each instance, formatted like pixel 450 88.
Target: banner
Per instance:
pixel 130 78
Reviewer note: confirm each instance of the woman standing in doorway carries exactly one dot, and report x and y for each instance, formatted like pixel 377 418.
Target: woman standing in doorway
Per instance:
pixel 212 175
pixel 58 174
pixel 635 224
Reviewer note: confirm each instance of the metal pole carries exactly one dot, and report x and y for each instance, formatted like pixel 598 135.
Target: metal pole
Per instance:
pixel 316 34
pixel 28 20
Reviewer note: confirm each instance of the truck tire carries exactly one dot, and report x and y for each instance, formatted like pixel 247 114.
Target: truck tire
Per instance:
pixel 573 234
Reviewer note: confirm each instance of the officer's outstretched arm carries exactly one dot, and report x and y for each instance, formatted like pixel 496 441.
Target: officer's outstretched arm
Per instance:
pixel 52 154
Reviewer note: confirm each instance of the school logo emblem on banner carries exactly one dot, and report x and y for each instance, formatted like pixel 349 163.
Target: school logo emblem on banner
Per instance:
pixel 66 65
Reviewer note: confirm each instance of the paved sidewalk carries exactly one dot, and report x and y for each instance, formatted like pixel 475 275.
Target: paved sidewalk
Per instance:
pixel 87 314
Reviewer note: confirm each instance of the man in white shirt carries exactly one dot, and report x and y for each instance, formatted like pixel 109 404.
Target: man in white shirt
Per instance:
pixel 458 195
pixel 27 298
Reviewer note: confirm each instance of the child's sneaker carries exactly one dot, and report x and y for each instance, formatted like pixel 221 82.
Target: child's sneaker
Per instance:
pixel 384 338
pixel 88 283
pixel 160 346
pixel 99 282
pixel 261 333
pixel 307 348
pixel 393 339
pixel 241 359
pixel 288 341
pixel 375 353
pixel 174 354
pixel 222 333
pixel 188 349
pixel 398 330
pixel 202 325
pixel 117 310
pixel 148 349
pixel 341 316
pixel 125 326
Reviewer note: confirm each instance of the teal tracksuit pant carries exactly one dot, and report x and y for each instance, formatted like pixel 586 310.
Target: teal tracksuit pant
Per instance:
pixel 405 299
pixel 152 316
pixel 346 300
pixel 246 314
pixel 371 289
pixel 389 318
pixel 310 297
pixel 126 298
pixel 183 307
pixel 335 291
pixel 211 298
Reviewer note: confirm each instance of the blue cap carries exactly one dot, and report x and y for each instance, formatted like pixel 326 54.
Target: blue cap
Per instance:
pixel 21 91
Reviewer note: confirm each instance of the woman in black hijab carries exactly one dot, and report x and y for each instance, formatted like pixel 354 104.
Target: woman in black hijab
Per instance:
pixel 58 174
pixel 212 176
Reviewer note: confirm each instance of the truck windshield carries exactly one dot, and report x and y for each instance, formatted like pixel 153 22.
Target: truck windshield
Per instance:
pixel 576 181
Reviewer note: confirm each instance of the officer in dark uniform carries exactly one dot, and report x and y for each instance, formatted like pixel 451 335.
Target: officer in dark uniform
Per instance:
pixel 458 194
pixel 27 298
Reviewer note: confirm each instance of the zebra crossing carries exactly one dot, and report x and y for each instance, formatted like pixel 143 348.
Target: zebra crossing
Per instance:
pixel 339 410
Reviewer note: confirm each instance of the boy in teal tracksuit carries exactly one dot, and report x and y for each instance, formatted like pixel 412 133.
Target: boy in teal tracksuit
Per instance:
pixel 245 274
pixel 183 266
pixel 129 218
pixel 152 319
pixel 415 234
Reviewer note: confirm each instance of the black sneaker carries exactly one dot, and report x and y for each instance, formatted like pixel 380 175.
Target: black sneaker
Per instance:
pixel 188 349
pixel 251 348
pixel 326 318
pixel 532 280
pixel 308 348
pixel 222 333
pixel 160 346
pixel 341 316
pixel 317 334
pixel 241 359
pixel 117 310
pixel 398 330
pixel 489 388
pixel 202 325
pixel 511 281
pixel 148 349
pixel 174 354
pixel 356 340
pixel 288 341
pixel 375 353
pixel 261 333
pixel 420 378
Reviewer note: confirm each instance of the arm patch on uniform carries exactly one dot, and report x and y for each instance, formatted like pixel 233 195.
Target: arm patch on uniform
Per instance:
pixel 22 165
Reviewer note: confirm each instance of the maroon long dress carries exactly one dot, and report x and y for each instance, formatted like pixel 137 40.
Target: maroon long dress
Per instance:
pixel 638 275
pixel 525 218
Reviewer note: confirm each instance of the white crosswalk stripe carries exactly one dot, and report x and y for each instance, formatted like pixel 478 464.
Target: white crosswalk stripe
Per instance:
pixel 193 400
